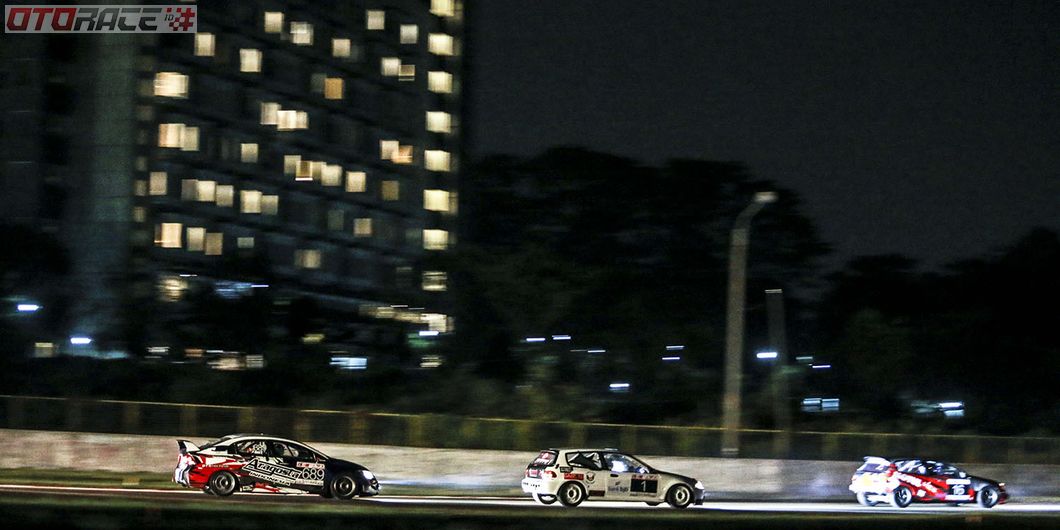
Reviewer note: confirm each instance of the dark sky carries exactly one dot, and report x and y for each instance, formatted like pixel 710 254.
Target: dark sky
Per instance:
pixel 925 128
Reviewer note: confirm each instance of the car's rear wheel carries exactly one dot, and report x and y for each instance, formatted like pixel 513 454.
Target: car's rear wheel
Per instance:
pixel 901 497
pixel 571 494
pixel 222 483
pixel 544 499
pixel 987 497
pixel 679 496
pixel 344 486
pixel 863 499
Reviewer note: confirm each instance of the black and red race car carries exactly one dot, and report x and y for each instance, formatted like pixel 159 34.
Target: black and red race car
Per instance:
pixel 901 482
pixel 260 463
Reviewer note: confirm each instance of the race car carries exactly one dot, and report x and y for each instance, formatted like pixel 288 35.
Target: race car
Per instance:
pixel 900 482
pixel 574 475
pixel 260 463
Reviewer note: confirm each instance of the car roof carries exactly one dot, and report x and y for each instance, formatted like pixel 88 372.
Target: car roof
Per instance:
pixel 585 450
pixel 233 438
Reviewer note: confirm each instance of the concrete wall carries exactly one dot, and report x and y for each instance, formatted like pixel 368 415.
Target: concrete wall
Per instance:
pixel 465 470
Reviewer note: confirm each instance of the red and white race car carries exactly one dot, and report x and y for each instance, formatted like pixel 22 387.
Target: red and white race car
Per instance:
pixel 260 463
pixel 901 482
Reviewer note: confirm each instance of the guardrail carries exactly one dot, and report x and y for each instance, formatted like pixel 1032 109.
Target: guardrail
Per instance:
pixel 442 431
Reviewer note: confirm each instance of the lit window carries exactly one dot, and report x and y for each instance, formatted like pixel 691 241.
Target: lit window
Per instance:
pixel 249 60
pixel 341 48
pixel 441 44
pixel 388 148
pixel 171 85
pixel 333 88
pixel 245 242
pixel 214 243
pixel 335 220
pixel 168 235
pixel 407 72
pixel 140 188
pixel 443 8
pixel 190 139
pixel 391 66
pixel 436 200
pixel 250 201
pixel 356 181
pixel 270 204
pixel 362 227
pixel 196 238
pixel 316 82
pixel 248 153
pixel 157 184
pixel 226 195
pixel 273 22
pixel 270 113
pixel 206 191
pixel 436 160
pixel 139 214
pixel 204 44
pixel 304 171
pixel 289 120
pixel 440 82
pixel 391 190
pixel 290 164
pixel 439 122
pixel 307 258
pixel 170 134
pixel 409 33
pixel 302 33
pixel 375 19
pixel 403 155
pixel 434 239
pixel 435 281
pixel 189 189
pixel 331 175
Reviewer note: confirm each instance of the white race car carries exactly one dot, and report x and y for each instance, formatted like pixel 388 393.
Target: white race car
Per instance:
pixel 574 475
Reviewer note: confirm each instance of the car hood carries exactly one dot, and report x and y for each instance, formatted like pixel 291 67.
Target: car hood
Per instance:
pixel 984 481
pixel 687 480
pixel 339 464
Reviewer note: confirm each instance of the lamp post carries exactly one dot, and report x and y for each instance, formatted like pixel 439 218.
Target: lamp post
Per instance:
pixel 778 338
pixel 741 232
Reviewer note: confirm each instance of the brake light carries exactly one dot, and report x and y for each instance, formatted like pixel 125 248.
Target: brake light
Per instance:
pixel 551 474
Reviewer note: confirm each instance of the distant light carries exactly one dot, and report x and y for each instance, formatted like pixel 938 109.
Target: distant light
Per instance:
pixel 766 355
pixel 27 308
pixel 675 348
pixel 343 362
pixel 187 275
pixel 428 333
pixel 535 339
pixel 80 341
pixel 808 359
pixel 431 361
pixel 765 197
pixel 619 387
pixel 596 351
pixel 830 404
pixel 561 337
pixel 672 358
pixel 951 405
pixel 259 286
pixel 953 413
pixel 820 366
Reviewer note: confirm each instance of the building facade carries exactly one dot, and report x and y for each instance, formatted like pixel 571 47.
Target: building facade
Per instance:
pixel 309 148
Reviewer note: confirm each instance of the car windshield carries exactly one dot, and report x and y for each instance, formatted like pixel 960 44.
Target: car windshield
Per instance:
pixel 546 458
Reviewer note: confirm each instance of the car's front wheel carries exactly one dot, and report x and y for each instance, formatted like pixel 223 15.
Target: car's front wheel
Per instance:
pixel 571 494
pixel 679 496
pixel 901 497
pixel 222 483
pixel 544 499
pixel 344 486
pixel 987 497
pixel 863 499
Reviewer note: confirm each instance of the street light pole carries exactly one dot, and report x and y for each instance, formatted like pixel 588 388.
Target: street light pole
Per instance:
pixel 734 328
pixel 778 339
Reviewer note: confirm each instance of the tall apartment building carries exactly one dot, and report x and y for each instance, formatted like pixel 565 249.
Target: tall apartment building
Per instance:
pixel 319 138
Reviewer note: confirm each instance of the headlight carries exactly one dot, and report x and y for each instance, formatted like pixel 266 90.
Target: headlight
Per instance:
pixel 699 485
pixel 367 474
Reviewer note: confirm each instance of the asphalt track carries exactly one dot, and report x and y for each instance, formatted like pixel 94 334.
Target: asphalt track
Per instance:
pixel 437 501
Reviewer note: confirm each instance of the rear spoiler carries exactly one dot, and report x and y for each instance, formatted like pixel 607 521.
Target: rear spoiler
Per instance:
pixel 186 447
pixel 878 460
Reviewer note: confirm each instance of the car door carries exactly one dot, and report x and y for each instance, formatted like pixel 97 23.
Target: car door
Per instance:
pixel 621 470
pixel 310 466
pixel 285 461
pixel 958 486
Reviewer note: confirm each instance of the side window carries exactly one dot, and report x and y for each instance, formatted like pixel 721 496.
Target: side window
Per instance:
pixel 250 448
pixel 586 460
pixel 280 450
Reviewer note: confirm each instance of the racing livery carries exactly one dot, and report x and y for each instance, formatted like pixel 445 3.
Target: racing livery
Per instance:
pixel 260 463
pixel 901 482
pixel 574 475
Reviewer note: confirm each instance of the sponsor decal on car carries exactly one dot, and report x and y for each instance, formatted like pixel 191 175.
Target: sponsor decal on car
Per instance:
pixel 590 477
pixel 573 476
pixel 644 484
pixel 258 468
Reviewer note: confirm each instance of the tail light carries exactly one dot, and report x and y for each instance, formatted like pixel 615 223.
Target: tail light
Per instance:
pixel 550 474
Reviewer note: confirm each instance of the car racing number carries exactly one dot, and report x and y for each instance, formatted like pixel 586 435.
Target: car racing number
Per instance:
pixel 644 484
